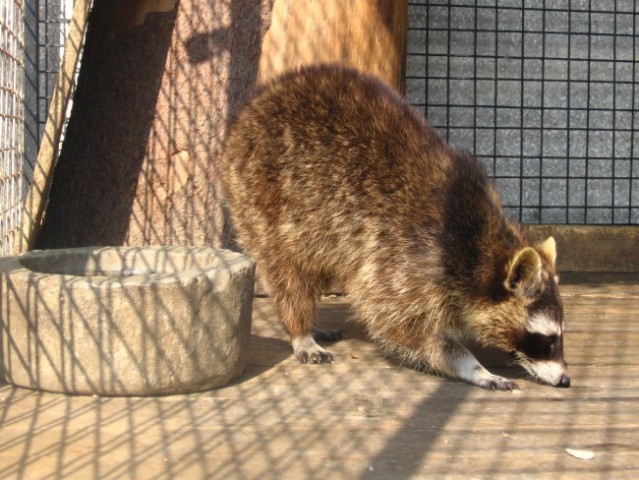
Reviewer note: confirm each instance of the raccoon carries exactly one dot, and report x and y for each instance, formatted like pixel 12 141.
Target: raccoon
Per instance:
pixel 329 174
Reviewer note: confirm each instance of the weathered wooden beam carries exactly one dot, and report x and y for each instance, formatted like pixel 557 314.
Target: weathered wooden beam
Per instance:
pixel 366 34
pixel 592 248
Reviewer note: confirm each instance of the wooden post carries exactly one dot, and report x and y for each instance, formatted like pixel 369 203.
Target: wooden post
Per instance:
pixel 139 162
pixel 366 34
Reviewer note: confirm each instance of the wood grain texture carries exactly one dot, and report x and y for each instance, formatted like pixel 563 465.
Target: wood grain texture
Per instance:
pixel 370 35
pixel 360 417
pixel 593 248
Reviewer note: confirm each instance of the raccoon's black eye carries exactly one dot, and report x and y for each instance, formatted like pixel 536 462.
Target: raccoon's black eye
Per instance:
pixel 540 347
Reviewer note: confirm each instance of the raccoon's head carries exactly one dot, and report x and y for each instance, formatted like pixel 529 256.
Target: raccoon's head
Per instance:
pixel 539 347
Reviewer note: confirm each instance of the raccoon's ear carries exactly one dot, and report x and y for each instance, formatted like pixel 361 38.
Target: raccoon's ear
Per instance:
pixel 548 249
pixel 524 273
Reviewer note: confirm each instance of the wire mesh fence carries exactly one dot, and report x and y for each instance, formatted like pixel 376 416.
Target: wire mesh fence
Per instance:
pixel 31 47
pixel 11 119
pixel 545 93
pixel 48 24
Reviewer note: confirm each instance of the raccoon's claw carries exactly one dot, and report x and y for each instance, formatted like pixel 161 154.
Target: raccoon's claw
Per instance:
pixel 484 379
pixel 498 383
pixel 308 351
pixel 467 368
pixel 314 357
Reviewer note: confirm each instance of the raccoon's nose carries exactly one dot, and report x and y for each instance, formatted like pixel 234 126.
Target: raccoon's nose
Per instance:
pixel 564 381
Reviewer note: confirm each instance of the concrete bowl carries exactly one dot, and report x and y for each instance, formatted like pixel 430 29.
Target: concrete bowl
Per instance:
pixel 125 320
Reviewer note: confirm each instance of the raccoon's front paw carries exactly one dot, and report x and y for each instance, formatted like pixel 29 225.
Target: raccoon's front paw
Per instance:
pixel 497 383
pixel 308 351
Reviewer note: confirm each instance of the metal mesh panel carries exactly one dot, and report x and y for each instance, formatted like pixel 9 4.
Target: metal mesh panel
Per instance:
pixel 11 120
pixel 47 27
pixel 544 92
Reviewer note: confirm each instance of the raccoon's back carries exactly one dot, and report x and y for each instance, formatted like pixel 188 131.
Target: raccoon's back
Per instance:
pixel 330 149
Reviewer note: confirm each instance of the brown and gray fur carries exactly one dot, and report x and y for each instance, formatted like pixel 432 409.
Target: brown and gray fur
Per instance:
pixel 329 174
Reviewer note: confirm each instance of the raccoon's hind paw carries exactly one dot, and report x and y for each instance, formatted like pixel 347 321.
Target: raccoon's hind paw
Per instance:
pixel 314 357
pixel 308 351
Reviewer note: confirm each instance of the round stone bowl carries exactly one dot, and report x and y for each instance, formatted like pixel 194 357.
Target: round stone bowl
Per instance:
pixel 125 320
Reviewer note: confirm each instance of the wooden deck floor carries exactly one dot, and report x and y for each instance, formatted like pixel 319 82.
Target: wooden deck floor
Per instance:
pixel 361 417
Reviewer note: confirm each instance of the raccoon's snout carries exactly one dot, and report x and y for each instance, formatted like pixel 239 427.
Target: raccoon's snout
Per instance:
pixel 564 381
pixel 540 351
pixel 548 372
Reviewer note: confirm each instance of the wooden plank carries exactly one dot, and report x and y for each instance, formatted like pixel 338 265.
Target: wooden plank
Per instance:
pixel 361 417
pixel 34 205
pixel 370 35
pixel 592 248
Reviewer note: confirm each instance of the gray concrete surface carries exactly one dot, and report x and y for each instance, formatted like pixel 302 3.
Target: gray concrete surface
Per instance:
pixel 544 92
pixel 125 320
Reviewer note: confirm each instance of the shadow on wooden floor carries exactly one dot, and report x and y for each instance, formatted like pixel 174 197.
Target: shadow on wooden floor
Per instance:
pixel 361 417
